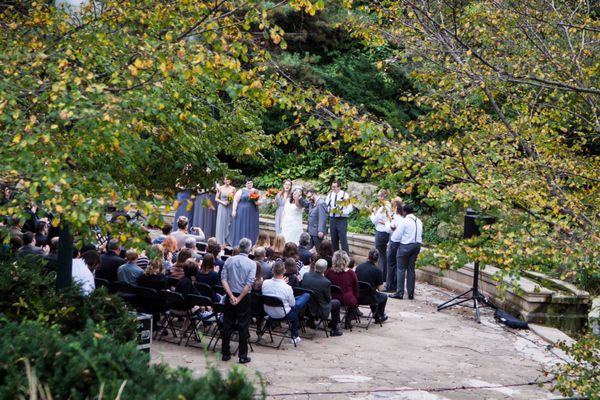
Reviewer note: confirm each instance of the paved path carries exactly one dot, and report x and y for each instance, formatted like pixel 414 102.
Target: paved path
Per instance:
pixel 419 353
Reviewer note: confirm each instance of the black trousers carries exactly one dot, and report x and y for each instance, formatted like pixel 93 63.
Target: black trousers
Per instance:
pixel 379 309
pixel 236 318
pixel 381 243
pixel 338 227
pixel 391 276
pixel 406 258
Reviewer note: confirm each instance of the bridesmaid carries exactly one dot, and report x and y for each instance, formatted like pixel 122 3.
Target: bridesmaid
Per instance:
pixel 225 194
pixel 245 214
pixel 280 200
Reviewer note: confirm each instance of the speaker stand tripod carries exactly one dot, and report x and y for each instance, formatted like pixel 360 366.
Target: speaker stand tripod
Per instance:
pixel 473 294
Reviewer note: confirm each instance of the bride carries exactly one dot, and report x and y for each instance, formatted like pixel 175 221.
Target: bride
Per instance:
pixel 291 221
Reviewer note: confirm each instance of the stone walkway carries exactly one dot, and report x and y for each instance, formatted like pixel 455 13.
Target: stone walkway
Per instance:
pixel 419 353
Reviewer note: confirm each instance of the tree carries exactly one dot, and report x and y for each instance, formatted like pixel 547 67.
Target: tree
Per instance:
pixel 513 88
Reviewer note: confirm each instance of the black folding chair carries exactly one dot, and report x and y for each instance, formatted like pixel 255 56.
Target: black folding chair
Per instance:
pixel 227 251
pixel 205 290
pixel 172 282
pixel 99 282
pixel 336 292
pixel 299 291
pixel 192 301
pixel 178 308
pixel 153 302
pixel 128 293
pixel 272 301
pixel 367 299
pixel 201 246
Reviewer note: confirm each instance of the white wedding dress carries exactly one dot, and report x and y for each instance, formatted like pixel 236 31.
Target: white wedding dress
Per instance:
pixel 291 224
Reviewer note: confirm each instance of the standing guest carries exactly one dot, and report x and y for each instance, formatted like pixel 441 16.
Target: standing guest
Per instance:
pixel 245 214
pixel 323 304
pixel 166 231
pixel 291 219
pixel 110 262
pixel 29 247
pixel 182 232
pixel 304 247
pixel 317 218
pixel 263 240
pixel 277 287
pixel 278 247
pixel 260 257
pixel 130 272
pixel 177 268
pixel 237 279
pixel 41 233
pixel 224 199
pixel 390 277
pixel 82 270
pixel 346 279
pixel 154 276
pixel 280 200
pixel 409 234
pixel 326 251
pixel 370 273
pixel 380 214
pixel 206 273
pixel 338 216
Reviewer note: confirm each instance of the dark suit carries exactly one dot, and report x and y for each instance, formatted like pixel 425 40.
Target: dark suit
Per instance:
pixel 28 250
pixel 109 264
pixel 317 221
pixel 321 304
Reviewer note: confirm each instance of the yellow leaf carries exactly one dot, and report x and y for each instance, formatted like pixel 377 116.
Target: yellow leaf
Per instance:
pixel 17 139
pixel 122 238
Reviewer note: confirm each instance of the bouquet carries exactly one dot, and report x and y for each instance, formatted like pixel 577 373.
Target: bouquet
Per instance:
pixel 230 197
pixel 270 193
pixel 254 196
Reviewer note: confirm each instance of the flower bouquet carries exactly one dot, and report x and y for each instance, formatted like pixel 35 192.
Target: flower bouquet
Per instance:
pixel 254 196
pixel 271 193
pixel 207 203
pixel 230 197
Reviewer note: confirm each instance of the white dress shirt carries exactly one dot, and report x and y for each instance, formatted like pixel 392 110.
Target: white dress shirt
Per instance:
pixel 332 200
pixel 390 226
pixel 409 230
pixel 380 216
pixel 278 288
pixel 82 275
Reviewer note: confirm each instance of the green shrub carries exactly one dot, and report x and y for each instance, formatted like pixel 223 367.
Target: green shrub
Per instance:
pixel 85 363
pixel 27 293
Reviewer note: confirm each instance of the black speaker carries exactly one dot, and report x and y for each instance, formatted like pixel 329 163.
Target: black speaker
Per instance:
pixel 473 221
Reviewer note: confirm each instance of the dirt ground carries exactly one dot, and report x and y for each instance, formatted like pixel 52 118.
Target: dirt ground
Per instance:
pixel 419 353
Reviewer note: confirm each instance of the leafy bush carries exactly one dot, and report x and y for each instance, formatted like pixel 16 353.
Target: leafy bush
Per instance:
pixel 582 376
pixel 27 293
pixel 89 362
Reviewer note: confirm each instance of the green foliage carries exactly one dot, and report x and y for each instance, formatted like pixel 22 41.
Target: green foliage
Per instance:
pixel 581 377
pixel 26 293
pixel 358 222
pixel 89 362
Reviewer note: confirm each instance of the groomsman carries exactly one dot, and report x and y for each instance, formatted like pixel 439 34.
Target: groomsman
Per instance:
pixel 338 216
pixel 317 218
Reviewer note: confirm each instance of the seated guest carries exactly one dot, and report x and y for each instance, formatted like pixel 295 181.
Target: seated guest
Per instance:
pixel 110 262
pixel 170 248
pixel 258 279
pixel 154 276
pixel 190 243
pixel 304 248
pixel 177 268
pixel 130 272
pixel 213 247
pixel 41 233
pixel 207 274
pixel 322 304
pixel 52 256
pixel 326 251
pixel 278 246
pixel 370 273
pixel 166 230
pixel 260 258
pixel 185 285
pixel 29 247
pixel 277 287
pixel 290 250
pixel 16 242
pixel 143 260
pixel 263 240
pixel 291 272
pixel 346 279
pixel 310 267
pixel 82 270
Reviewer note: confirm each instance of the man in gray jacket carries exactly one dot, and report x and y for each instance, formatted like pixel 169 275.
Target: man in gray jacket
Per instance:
pixel 317 218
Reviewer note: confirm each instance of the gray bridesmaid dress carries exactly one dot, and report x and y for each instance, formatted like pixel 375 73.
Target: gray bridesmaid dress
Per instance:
pixel 223 228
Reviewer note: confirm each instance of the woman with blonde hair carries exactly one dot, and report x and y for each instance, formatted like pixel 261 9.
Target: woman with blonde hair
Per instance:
pixel 263 240
pixel 278 246
pixel 346 279
pixel 154 276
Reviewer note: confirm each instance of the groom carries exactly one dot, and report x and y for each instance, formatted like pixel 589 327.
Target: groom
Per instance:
pixel 317 218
